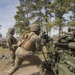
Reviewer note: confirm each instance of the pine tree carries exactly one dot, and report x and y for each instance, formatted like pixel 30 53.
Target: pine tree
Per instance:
pixel 22 22
pixel 72 18
pixel 41 12
pixel 60 8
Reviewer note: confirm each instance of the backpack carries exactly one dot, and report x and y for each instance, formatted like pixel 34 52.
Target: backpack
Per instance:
pixel 25 46
pixel 24 42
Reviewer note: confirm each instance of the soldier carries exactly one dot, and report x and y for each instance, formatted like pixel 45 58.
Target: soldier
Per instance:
pixel 27 51
pixel 71 34
pixel 68 37
pixel 11 41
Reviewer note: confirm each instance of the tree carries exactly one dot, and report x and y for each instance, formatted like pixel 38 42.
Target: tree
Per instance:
pixel 60 8
pixel 41 12
pixel 22 22
pixel 0 35
pixel 72 18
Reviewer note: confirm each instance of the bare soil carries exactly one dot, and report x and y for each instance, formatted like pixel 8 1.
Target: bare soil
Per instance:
pixel 25 69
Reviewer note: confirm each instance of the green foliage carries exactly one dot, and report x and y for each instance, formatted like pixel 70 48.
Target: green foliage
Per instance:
pixel 58 21
pixel 25 31
pixel 48 25
pixel 72 23
pixel 41 11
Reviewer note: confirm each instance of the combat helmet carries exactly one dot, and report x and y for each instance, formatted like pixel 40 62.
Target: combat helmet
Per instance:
pixel 10 30
pixel 35 27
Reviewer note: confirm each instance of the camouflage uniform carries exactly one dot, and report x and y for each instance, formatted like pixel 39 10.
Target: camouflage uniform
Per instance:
pixel 11 40
pixel 29 54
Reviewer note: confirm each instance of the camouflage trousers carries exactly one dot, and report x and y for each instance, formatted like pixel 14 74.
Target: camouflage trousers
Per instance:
pixel 32 59
pixel 12 56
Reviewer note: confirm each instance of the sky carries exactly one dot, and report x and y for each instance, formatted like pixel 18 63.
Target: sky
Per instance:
pixel 7 12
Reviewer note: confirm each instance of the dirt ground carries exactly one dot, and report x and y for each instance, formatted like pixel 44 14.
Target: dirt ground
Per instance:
pixel 25 69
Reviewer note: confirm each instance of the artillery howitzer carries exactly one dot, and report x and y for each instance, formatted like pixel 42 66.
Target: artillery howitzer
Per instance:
pixel 66 53
pixel 61 58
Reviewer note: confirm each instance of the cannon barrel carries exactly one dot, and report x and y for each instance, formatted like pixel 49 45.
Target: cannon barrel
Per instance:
pixel 65 46
pixel 62 45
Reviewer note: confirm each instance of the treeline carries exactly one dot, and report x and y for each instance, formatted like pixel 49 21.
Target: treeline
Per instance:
pixel 47 13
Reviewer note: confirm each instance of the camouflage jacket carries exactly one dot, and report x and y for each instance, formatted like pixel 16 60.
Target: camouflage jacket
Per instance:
pixel 11 40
